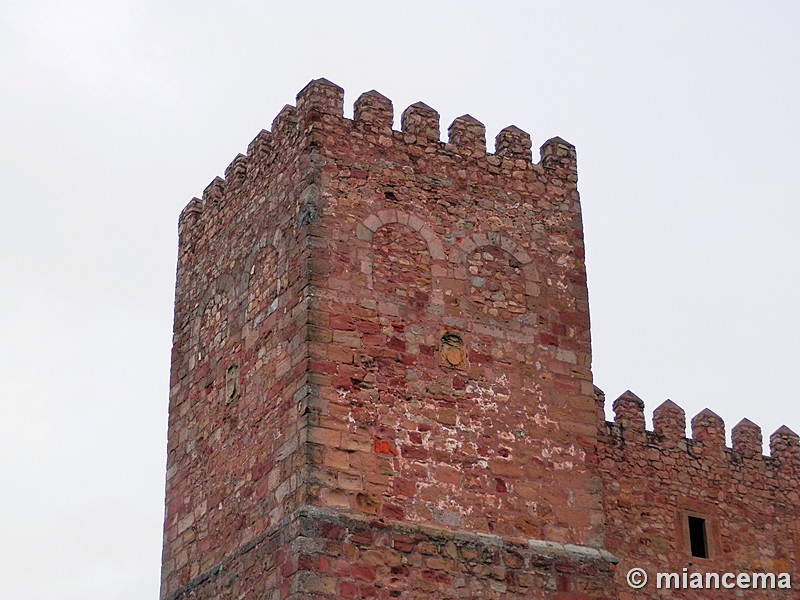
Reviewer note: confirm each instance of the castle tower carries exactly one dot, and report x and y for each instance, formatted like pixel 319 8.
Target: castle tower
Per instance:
pixel 381 375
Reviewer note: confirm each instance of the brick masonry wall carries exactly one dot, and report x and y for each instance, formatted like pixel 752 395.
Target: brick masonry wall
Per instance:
pixel 654 480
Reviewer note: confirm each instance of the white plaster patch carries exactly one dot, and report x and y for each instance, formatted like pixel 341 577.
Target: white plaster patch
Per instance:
pixel 542 420
pixel 559 454
pixel 451 444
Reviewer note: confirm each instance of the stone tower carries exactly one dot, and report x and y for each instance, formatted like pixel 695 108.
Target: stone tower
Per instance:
pixel 381 374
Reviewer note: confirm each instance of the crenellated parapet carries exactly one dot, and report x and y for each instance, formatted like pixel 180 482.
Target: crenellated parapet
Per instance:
pixel 629 413
pixel 747 439
pixel 513 143
pixel 708 435
pixel 784 446
pixel 374 111
pixel 320 97
pixel 421 123
pixel 669 421
pixel 468 136
pixel 317 120
pixel 675 500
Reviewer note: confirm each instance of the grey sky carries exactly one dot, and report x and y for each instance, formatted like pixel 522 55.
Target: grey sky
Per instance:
pixel 114 114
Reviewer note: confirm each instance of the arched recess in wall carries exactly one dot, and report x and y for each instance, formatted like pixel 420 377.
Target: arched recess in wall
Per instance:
pixel 399 262
pixel 264 277
pixel 212 322
pixel 502 281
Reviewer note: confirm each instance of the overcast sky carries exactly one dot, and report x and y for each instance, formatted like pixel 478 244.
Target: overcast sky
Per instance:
pixel 114 114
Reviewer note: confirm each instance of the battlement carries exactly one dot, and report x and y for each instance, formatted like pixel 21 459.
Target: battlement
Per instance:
pixel 673 499
pixel 707 433
pixel 319 112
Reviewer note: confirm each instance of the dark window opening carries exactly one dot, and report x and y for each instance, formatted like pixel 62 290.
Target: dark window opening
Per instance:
pixel 697 537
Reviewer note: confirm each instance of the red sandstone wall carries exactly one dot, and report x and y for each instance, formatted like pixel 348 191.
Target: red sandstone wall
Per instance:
pixel 652 482
pixel 416 240
pixel 235 457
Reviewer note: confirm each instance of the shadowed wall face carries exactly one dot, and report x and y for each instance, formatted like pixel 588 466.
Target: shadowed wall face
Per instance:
pixel 239 362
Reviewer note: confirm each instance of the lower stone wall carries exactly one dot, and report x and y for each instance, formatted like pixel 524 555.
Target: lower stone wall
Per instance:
pixel 321 554
pixel 348 556
pixel 264 568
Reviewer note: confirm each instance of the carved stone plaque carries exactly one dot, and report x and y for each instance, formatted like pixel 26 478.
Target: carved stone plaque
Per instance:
pixel 452 353
pixel 232 383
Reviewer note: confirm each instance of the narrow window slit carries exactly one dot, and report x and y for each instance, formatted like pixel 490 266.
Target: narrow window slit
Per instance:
pixel 697 537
